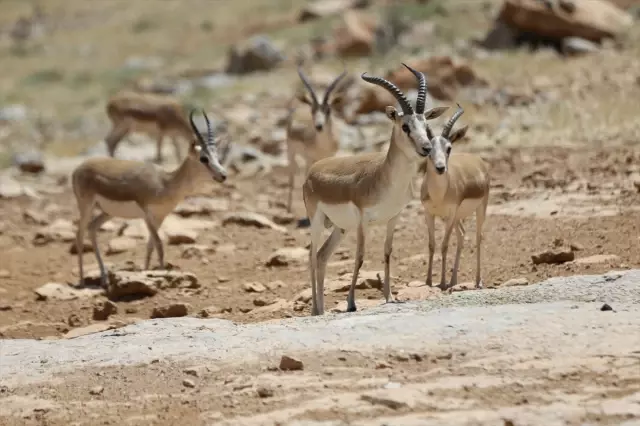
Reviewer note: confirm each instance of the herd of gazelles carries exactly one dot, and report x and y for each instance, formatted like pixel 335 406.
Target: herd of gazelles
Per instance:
pixel 340 192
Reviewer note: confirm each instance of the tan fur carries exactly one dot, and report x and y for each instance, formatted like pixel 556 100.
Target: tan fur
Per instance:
pixel 136 189
pixel 152 114
pixel 448 196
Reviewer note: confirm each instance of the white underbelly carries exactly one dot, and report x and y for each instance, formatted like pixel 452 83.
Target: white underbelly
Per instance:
pixel 465 209
pixel 347 216
pixel 123 209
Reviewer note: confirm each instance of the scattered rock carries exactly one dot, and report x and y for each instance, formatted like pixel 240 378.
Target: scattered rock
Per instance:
pixel 147 283
pixel 35 217
pixel 121 245
pixel 576 46
pixel 597 258
pixel 258 55
pixel 606 307
pixel 188 383
pixel 196 371
pixel 288 363
pixel 56 291
pixel 423 292
pixel 264 391
pixel 366 280
pixel 32 330
pixel 394 399
pixel 171 311
pixel 74 320
pixel 554 256
pixel 324 8
pixel 287 256
pixel 181 236
pixel 251 219
pixel 29 162
pixel 209 312
pixel 4 274
pixel 104 309
pixel 94 328
pixel 61 230
pixel 283 218
pixel 10 188
pixel 87 247
pixel 96 390
pixel 254 287
pixel 514 282
pixel 201 206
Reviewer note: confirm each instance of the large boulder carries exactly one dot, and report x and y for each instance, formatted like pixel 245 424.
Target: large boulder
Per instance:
pixel 592 20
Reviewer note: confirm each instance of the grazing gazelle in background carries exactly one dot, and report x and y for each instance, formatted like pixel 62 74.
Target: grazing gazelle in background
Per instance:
pixel 153 114
pixel 454 187
pixel 135 189
pixel 354 192
pixel 310 133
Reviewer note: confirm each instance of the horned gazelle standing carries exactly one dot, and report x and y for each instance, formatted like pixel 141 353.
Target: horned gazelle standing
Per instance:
pixel 135 189
pixel 311 135
pixel 354 192
pixel 454 187
pixel 147 113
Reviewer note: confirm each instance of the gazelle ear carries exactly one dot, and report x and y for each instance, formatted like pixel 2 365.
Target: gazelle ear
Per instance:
pixel 304 97
pixel 458 134
pixel 336 99
pixel 435 112
pixel 392 113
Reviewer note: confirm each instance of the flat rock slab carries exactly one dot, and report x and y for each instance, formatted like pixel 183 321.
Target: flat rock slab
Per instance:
pixel 559 316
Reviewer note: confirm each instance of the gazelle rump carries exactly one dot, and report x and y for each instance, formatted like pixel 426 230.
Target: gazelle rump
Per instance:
pixel 355 192
pixel 135 189
pixel 454 187
pixel 148 113
pixel 310 133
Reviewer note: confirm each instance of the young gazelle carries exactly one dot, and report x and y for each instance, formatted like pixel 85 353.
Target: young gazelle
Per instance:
pixel 311 135
pixel 134 189
pixel 155 115
pixel 454 187
pixel 354 192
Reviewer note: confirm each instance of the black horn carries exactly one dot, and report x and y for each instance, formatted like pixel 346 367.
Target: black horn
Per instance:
pixel 400 97
pixel 195 128
pixel 210 140
pixel 308 86
pixel 332 86
pixel 422 89
pixel 447 127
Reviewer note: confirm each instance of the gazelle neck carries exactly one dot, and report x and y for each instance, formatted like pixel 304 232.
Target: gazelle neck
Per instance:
pixel 182 180
pixel 399 166
pixel 437 185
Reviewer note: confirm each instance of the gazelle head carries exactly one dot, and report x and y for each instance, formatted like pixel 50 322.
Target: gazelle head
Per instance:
pixel 321 112
pixel 208 152
pixel 443 142
pixel 410 126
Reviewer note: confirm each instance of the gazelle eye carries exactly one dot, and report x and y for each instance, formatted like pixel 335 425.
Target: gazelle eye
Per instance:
pixel 448 150
pixel 405 128
pixel 204 160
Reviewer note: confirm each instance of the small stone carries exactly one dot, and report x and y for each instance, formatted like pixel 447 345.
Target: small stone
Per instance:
pixel 597 258
pixel 74 320
pixel 194 371
pixel 254 287
pixel 181 236
pixel 188 383
pixel 288 363
pixel 251 219
pixel 96 390
pixel 260 302
pixel 555 256
pixel 606 307
pixel 382 365
pixel 264 392
pixel 121 245
pixel 284 218
pixel 287 256
pixel 172 310
pixel 104 309
pixel 576 247
pixel 515 282
pixel 56 291
pixel 209 312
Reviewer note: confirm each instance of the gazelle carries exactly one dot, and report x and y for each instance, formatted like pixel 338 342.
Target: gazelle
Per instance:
pixel 153 114
pixel 355 192
pixel 135 189
pixel 311 136
pixel 454 187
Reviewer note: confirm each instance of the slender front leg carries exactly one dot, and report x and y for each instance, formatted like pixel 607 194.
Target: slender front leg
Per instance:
pixel 116 134
pixel 94 225
pixel 292 169
pixel 351 297
pixel 153 225
pixel 85 207
pixel 158 158
pixel 431 230
pixel 388 247
pixel 450 222
pixel 324 254
pixel 147 258
pixel 177 151
pixel 317 222
pixel 481 214
pixel 456 262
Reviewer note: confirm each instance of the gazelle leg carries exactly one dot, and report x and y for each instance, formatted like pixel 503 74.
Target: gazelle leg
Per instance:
pixel 291 170
pixel 431 230
pixel 351 302
pixel 116 134
pixel 388 247
pixel 150 247
pixel 153 225
pixel 481 214
pixel 84 206
pixel 94 225
pixel 159 139
pixel 450 223
pixel 317 225
pixel 177 149
pixel 323 256
pixel 456 262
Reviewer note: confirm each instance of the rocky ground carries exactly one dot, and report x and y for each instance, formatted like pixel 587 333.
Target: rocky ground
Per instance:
pixel 559 130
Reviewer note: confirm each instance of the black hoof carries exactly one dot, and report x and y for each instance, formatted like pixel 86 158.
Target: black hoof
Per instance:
pixel 352 308
pixel 304 222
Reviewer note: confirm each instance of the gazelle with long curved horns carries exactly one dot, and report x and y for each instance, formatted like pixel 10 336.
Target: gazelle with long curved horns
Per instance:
pixel 355 192
pixel 135 189
pixel 454 187
pixel 311 136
